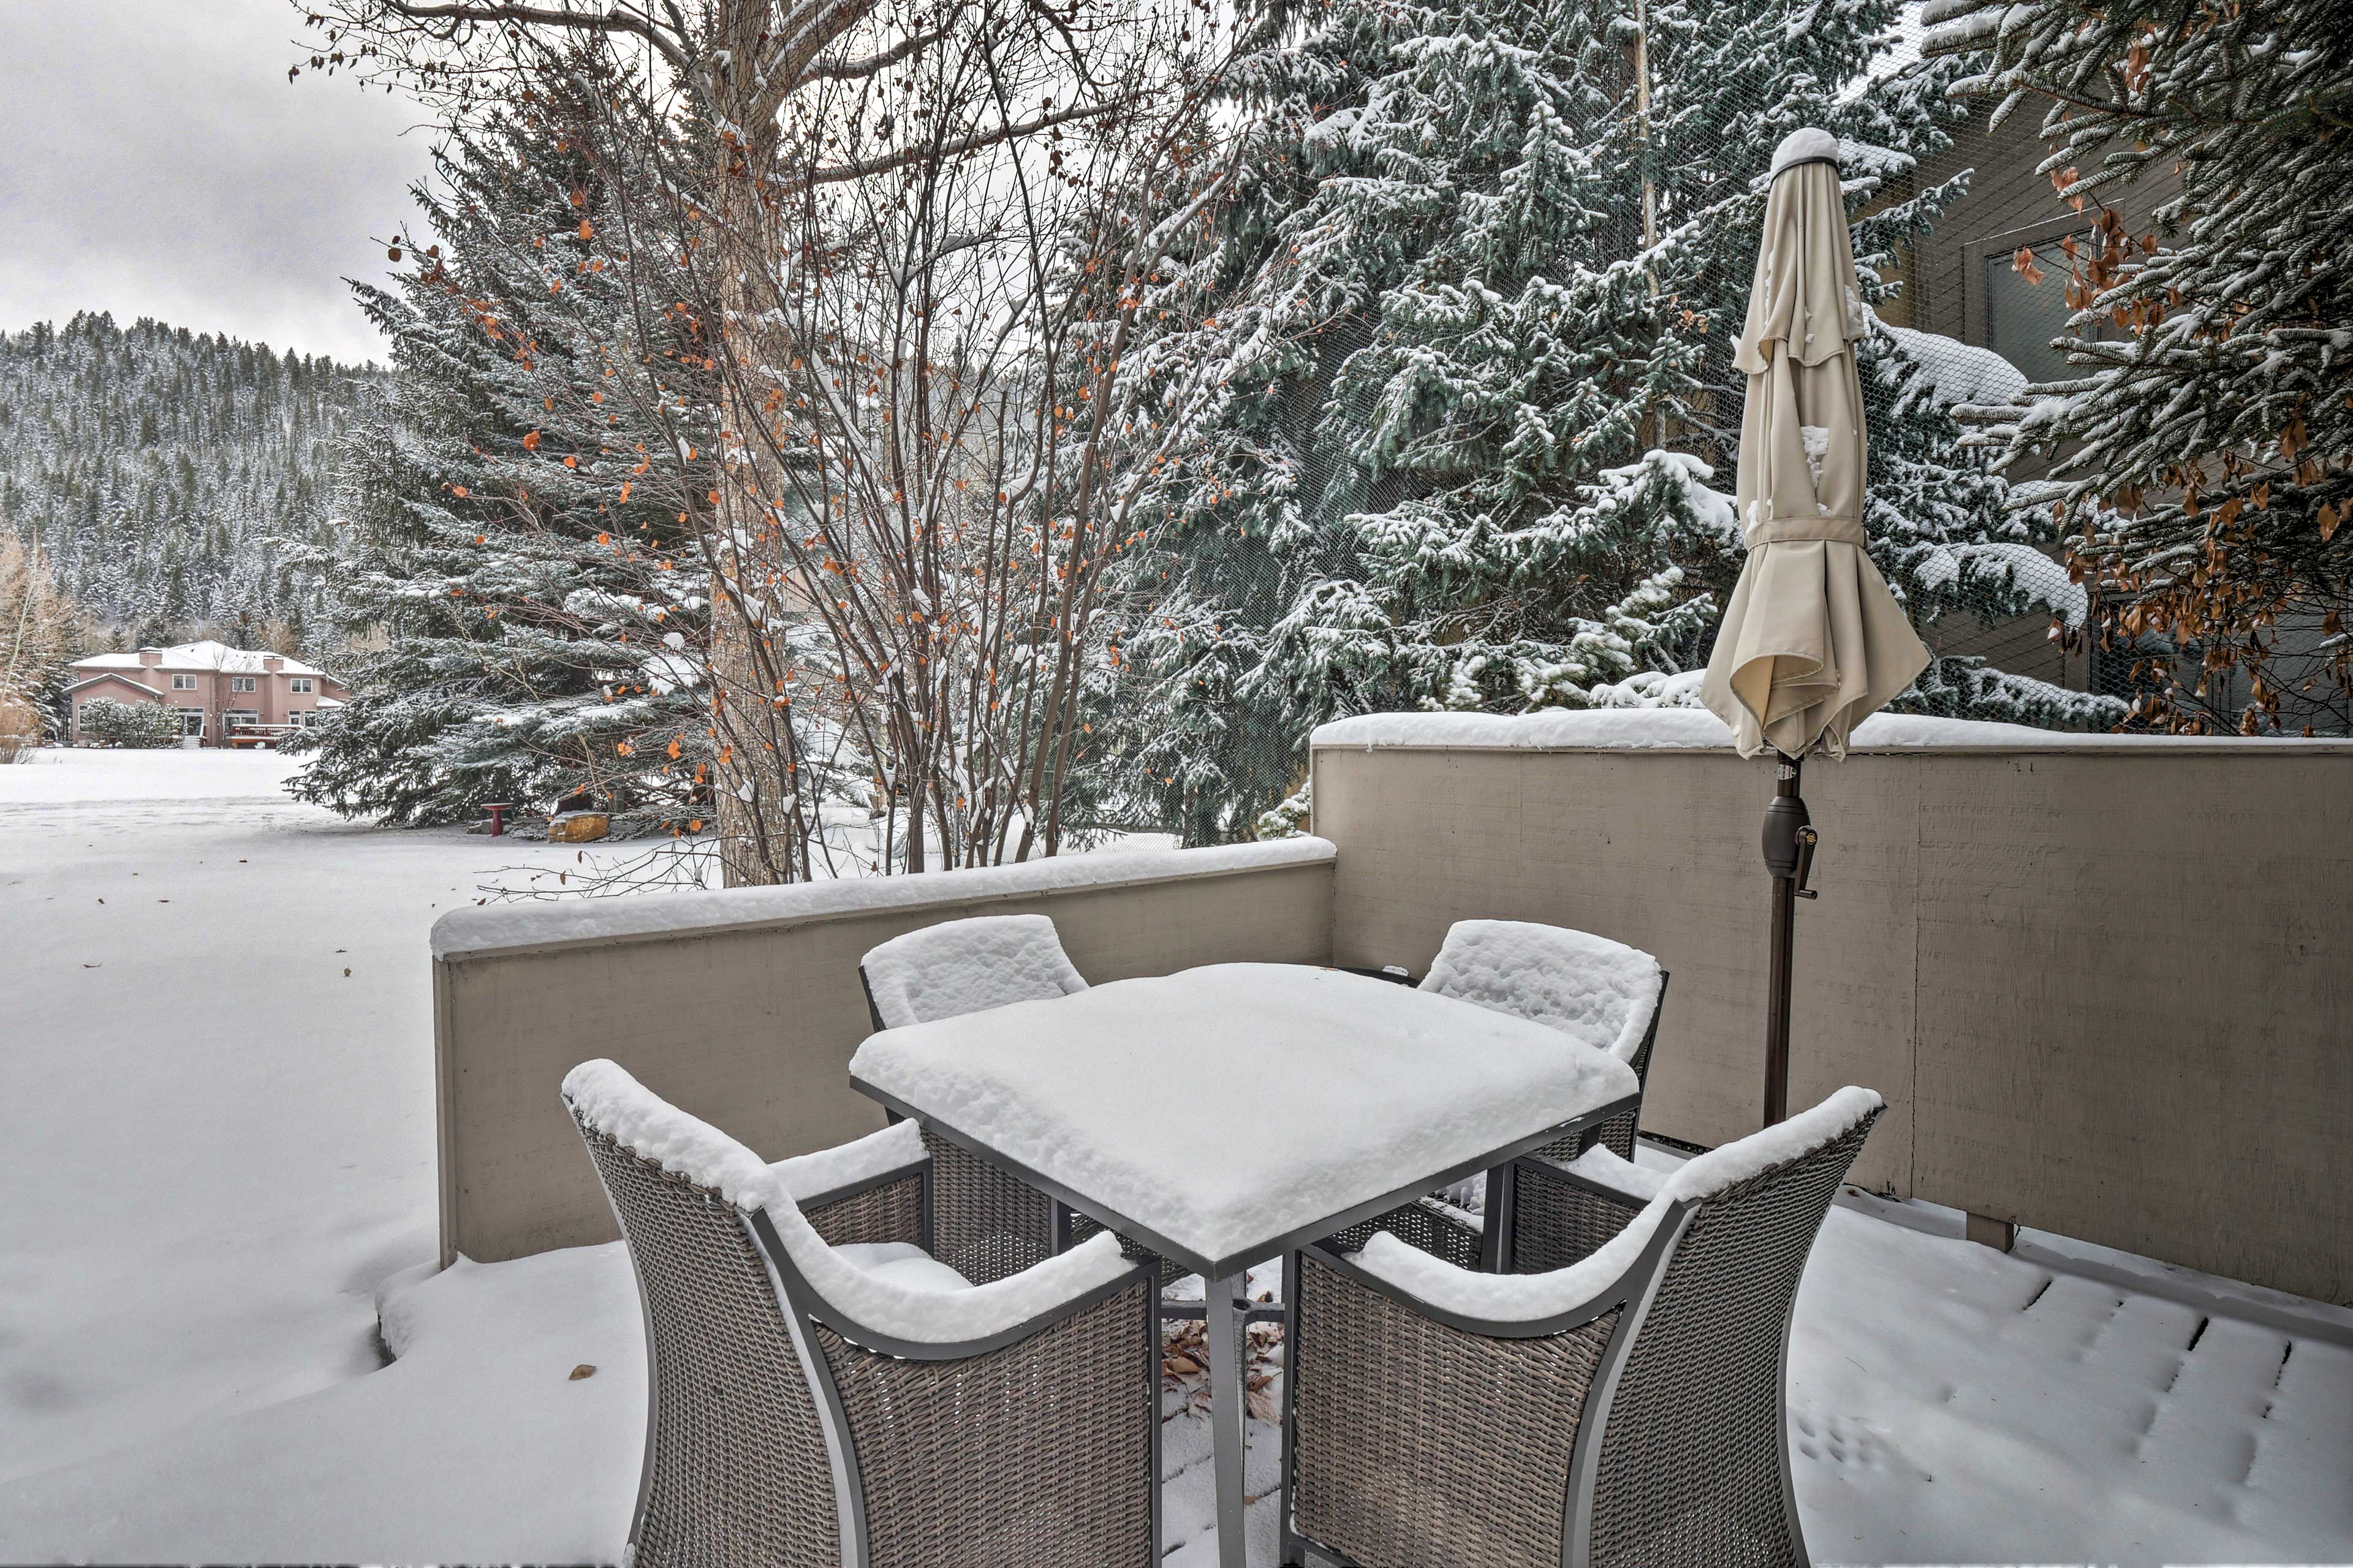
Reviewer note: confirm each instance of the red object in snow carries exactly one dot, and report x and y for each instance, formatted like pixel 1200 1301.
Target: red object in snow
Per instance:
pixel 498 810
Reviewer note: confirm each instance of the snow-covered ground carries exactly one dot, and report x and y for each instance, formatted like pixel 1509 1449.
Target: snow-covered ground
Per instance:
pixel 223 1149
pixel 215 1089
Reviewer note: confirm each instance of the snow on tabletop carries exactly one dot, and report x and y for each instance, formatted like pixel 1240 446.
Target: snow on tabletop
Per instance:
pixel 491 926
pixel 1226 1106
pixel 1687 729
pixel 1523 1298
pixel 897 1302
pixel 965 966
pixel 1590 988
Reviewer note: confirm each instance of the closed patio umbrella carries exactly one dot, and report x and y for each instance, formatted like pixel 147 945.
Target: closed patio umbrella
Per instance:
pixel 1812 642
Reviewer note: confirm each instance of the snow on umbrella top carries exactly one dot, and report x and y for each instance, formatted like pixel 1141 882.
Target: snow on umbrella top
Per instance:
pixel 1812 642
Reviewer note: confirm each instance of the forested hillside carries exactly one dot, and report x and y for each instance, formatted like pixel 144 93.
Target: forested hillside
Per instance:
pixel 166 473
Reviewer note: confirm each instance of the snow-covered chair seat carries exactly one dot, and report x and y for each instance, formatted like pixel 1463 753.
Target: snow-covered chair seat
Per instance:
pixel 1638 1385
pixel 990 1223
pixel 957 967
pixel 823 1390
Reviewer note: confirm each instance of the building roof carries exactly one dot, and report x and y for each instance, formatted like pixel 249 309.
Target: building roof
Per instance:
pixel 202 655
pixel 119 680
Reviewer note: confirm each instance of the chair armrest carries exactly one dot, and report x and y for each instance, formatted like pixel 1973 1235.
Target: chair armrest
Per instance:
pixel 1512 1304
pixel 1562 1213
pixel 816 1177
pixel 898 1320
pixel 892 1207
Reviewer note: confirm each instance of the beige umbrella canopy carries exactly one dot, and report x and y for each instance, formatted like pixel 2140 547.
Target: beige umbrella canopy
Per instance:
pixel 1812 642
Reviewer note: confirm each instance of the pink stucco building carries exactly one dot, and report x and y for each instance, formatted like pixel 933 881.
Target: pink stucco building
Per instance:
pixel 221 692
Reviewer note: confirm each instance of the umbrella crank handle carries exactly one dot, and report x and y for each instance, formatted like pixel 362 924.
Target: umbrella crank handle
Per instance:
pixel 1807 839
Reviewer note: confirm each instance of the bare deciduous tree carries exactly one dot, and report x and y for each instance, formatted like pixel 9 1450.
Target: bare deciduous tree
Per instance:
pixel 915 240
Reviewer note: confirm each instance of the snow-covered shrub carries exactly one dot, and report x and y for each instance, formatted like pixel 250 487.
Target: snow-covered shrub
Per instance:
pixel 136 725
pixel 1290 819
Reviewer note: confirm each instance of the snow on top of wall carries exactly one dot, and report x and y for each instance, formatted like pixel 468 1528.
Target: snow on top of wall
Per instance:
pixel 1697 730
pixel 489 926
pixel 1636 729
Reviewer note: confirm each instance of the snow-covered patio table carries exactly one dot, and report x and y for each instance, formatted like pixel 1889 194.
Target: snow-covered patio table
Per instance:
pixel 1223 1115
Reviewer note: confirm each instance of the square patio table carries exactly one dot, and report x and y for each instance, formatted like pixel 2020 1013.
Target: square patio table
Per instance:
pixel 1332 1098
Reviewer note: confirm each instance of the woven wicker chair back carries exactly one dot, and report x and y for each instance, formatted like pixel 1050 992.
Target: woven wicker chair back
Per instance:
pixel 737 1468
pixel 1692 1466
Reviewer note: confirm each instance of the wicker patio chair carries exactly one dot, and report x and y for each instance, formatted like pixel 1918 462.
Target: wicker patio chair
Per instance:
pixel 1626 1411
pixel 823 1392
pixel 989 1224
pixel 1590 988
pixel 1595 990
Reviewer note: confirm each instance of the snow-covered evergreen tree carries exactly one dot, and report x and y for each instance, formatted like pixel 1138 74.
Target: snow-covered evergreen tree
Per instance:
pixel 518 538
pixel 1475 302
pixel 2206 442
pixel 169 476
pixel 42 630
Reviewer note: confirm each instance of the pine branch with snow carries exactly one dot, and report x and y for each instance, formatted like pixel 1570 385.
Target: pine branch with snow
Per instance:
pixel 2204 443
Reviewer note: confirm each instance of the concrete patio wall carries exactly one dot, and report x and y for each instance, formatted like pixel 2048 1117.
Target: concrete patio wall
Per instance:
pixel 744 1007
pixel 2105 987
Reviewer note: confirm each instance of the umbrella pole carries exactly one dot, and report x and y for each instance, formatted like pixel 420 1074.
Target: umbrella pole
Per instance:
pixel 1789 839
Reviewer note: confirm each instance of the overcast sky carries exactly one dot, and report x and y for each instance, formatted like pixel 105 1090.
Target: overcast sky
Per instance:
pixel 154 161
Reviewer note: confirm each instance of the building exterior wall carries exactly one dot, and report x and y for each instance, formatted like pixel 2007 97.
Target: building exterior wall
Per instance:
pixel 2009 204
pixel 273 699
pixel 2105 990
pixel 753 1027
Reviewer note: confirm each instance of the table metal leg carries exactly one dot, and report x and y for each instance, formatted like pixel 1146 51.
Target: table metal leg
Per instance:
pixel 1228 1422
pixel 1495 1237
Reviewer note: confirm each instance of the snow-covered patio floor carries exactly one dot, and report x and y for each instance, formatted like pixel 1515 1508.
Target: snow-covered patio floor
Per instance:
pixel 1948 1405
pixel 224 1147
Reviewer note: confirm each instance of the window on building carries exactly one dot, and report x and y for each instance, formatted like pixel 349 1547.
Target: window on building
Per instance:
pixel 301 686
pixel 242 719
pixel 241 683
pixel 2024 310
pixel 303 717
pixel 184 683
pixel 192 722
